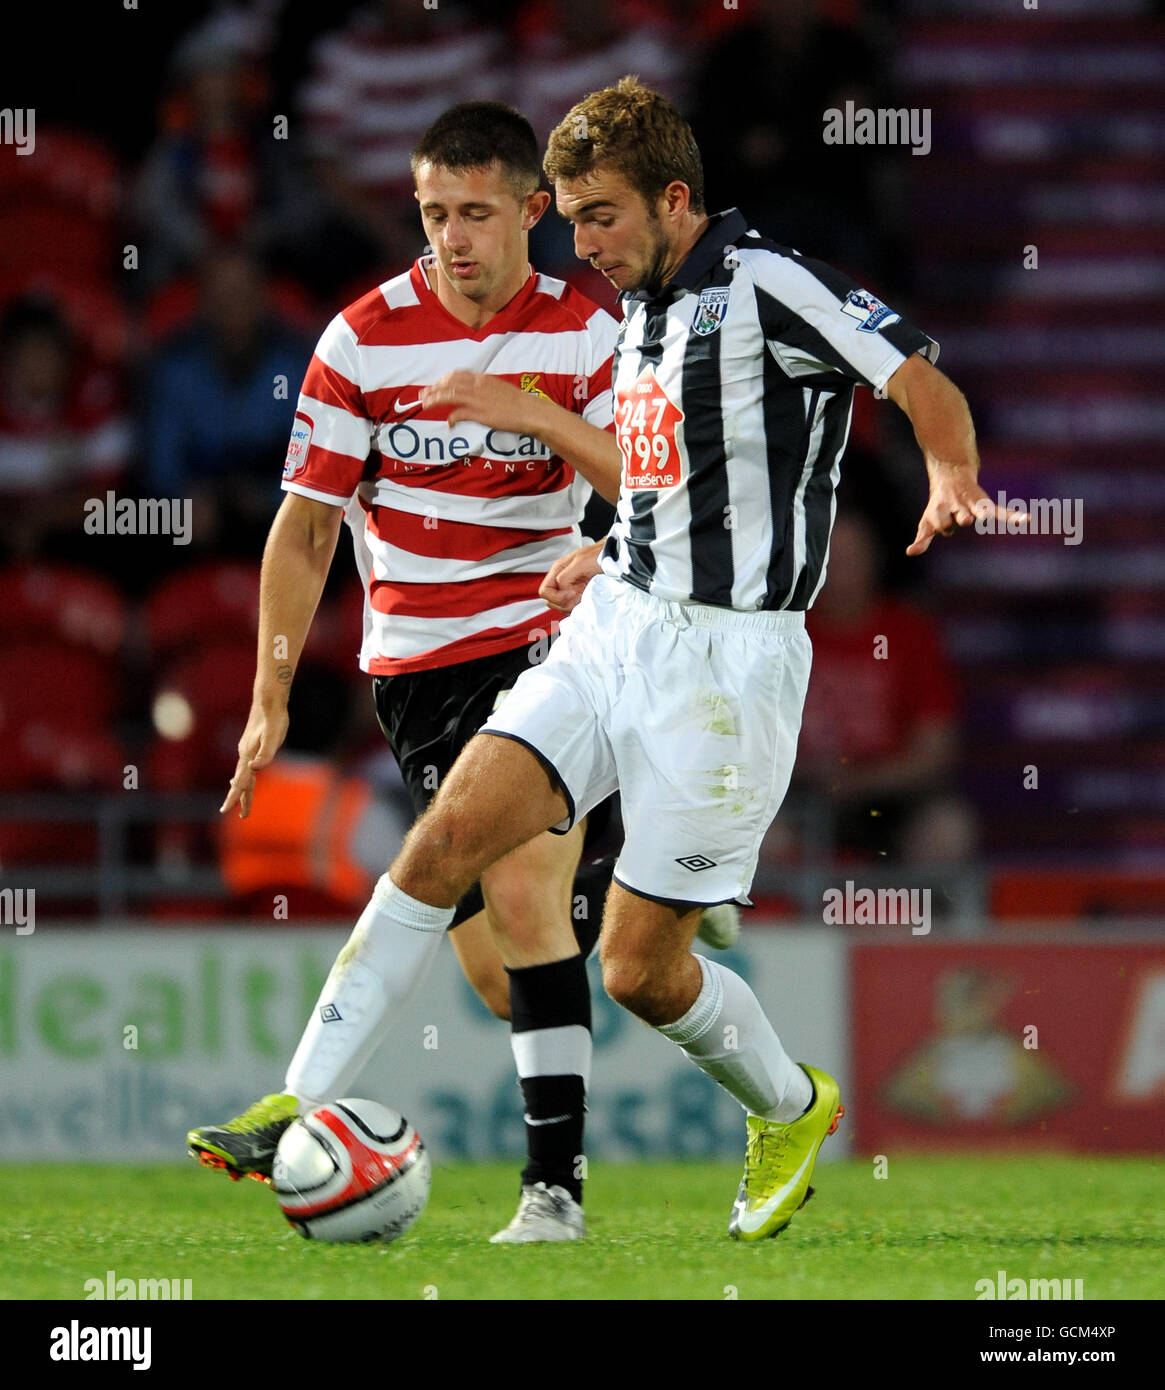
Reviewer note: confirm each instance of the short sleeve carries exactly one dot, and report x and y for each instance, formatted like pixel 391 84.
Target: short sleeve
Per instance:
pixel 818 323
pixel 331 435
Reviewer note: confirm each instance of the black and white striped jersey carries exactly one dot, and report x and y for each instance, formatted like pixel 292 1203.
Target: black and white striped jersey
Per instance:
pixel 733 394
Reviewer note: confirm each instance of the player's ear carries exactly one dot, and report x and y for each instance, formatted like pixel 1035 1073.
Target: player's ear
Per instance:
pixel 677 198
pixel 535 205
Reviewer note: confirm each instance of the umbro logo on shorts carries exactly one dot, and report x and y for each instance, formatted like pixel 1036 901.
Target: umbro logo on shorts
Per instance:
pixel 696 862
pixel 330 1014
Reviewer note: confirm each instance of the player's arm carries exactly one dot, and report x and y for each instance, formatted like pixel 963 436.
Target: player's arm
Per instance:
pixel 569 575
pixel 296 560
pixel 938 411
pixel 490 401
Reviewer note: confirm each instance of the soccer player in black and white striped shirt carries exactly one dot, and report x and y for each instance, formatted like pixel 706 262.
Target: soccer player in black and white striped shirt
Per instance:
pixel 681 672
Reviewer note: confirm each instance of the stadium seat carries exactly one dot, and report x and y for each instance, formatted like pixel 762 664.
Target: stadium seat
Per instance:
pixel 47 681
pixel 77 606
pixel 97 317
pixel 213 601
pixel 200 706
pixel 57 210
pixel 52 756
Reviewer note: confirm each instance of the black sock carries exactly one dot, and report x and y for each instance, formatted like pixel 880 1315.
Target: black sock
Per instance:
pixel 591 882
pixel 550 1030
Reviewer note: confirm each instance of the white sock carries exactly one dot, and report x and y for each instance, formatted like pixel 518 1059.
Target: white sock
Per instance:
pixel 384 961
pixel 727 1035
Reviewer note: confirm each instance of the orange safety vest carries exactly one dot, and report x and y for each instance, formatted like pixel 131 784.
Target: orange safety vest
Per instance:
pixel 299 833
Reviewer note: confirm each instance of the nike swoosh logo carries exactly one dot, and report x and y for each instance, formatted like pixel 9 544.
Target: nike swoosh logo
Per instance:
pixel 554 1120
pixel 753 1220
pixel 402 406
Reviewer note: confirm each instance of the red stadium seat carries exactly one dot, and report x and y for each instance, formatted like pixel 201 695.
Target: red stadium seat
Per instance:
pixel 48 756
pixel 200 708
pixel 71 169
pixel 215 601
pixel 47 681
pixel 92 311
pixel 77 606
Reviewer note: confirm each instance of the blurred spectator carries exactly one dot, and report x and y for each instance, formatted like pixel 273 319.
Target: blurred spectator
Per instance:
pixel 879 737
pixel 219 404
pixel 567 50
pixel 758 102
pixel 316 832
pixel 373 88
pixel 215 173
pixel 63 433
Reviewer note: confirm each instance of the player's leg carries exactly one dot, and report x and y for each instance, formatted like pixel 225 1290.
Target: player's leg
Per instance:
pixel 497 795
pixel 716 1020
pixel 476 948
pixel 529 896
pixel 481 962
pixel 704 760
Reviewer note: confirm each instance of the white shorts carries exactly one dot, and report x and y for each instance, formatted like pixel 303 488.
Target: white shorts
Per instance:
pixel 692 712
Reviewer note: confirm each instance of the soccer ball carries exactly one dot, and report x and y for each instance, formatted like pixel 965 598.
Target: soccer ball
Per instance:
pixel 351 1170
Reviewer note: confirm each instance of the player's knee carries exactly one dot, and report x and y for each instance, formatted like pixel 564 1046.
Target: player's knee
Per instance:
pixel 633 983
pixel 495 996
pixel 522 904
pixel 438 854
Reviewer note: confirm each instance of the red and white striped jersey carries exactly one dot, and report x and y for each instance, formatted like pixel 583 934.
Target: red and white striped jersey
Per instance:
pixel 455 527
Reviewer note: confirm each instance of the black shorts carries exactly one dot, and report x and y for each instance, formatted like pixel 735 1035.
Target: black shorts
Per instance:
pixel 429 716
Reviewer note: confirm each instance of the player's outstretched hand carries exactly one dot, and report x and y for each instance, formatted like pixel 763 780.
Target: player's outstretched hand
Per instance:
pixel 569 576
pixel 486 400
pixel 262 738
pixel 956 499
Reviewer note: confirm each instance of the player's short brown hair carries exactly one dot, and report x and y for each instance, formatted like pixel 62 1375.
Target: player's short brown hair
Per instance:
pixel 476 134
pixel 633 131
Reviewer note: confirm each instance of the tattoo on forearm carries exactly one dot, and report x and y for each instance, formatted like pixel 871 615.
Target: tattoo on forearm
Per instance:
pixel 283 675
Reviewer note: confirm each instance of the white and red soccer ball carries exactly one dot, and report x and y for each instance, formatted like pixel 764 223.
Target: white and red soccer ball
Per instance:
pixel 351 1170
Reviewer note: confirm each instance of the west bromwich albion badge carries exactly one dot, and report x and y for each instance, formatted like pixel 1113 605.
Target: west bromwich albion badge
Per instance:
pixel 710 311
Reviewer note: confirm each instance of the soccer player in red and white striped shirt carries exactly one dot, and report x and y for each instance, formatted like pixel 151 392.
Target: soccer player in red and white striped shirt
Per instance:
pixel 455 526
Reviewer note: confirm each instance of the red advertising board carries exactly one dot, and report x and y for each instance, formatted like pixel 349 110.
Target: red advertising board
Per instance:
pixel 1056 1046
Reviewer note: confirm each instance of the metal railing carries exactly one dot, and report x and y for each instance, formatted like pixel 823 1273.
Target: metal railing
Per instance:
pixel 115 884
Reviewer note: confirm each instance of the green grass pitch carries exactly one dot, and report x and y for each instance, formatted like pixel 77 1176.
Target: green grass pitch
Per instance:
pixel 928 1230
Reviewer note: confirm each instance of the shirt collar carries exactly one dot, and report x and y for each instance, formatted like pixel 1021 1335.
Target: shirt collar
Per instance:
pixel 723 230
